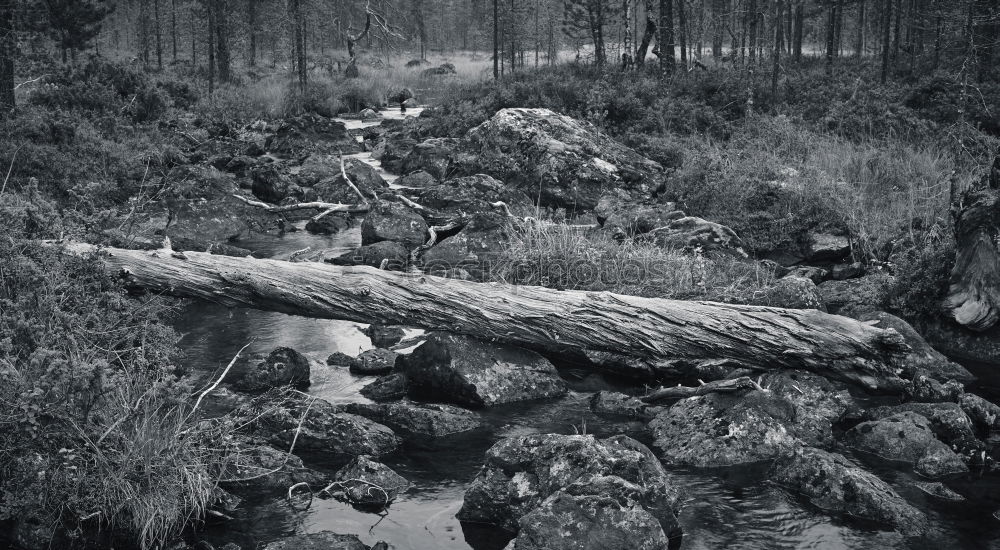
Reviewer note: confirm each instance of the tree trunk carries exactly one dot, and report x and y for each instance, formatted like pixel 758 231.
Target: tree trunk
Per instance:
pixel 974 295
pixel 859 44
pixel 778 44
pixel 666 37
pixel 886 28
pixel 536 317
pixel 718 27
pixel 647 35
pixel 252 23
pixel 799 23
pixel 173 27
pixel 211 45
pixel 8 51
pixel 496 39
pixel 831 40
pixel 222 40
pixel 752 30
pixel 683 31
pixel 159 35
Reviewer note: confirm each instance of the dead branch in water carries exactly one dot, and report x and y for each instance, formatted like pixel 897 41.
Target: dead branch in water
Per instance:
pixel 719 386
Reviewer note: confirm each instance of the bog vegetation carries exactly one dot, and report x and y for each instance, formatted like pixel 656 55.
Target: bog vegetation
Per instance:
pixel 870 139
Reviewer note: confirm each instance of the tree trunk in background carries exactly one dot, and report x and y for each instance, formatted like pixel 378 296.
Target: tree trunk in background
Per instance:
pixel 838 26
pixel 886 29
pixel 496 39
pixel 666 37
pixel 985 31
pixel 799 23
pixel 895 36
pixel 647 35
pixel 252 23
pixel 683 30
pixel 626 34
pixel 718 27
pixel 534 317
pixel 778 45
pixel 859 43
pixel 159 35
pixel 211 45
pixel 222 40
pixel 831 44
pixel 752 31
pixel 8 52
pixel 173 27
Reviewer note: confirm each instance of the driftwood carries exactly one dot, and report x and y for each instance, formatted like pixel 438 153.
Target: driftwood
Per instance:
pixel 718 386
pixel 326 207
pixel 974 293
pixel 536 317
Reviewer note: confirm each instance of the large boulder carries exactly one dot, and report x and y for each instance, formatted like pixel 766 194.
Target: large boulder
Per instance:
pixel 561 161
pixel 329 224
pixel 324 540
pixel 600 488
pixel 476 248
pixel 921 357
pixel 375 361
pixel 326 431
pixel 264 469
pixel 827 248
pixel 852 297
pixel 434 156
pixel 306 134
pixel 691 233
pixel 391 221
pixel 270 184
pixel 202 225
pixel 472 372
pixel 588 521
pixel 906 437
pixel 717 429
pixel 417 179
pixel 619 405
pixel 388 255
pixel 984 414
pixel 950 423
pixel 368 483
pixel 620 215
pixel 834 484
pixel 390 387
pixel 418 421
pixel 325 177
pixel 466 196
pixel 281 367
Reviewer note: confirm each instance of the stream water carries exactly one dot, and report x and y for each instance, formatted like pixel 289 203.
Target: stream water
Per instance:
pixel 727 508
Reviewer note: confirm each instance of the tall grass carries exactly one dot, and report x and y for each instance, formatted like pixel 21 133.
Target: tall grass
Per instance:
pixel 558 255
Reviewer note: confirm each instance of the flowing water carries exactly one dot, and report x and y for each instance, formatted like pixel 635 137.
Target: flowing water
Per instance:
pixel 728 508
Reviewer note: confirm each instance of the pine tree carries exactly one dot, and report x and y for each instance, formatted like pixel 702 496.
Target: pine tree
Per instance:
pixel 74 24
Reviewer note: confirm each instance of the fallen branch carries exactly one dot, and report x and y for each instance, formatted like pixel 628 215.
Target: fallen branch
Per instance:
pixel 654 328
pixel 327 207
pixel 719 386
pixel 343 173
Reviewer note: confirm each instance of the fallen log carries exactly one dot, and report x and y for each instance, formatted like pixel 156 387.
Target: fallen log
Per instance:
pixel 541 318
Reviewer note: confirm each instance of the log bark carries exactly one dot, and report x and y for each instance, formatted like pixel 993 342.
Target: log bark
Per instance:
pixel 536 317
pixel 974 293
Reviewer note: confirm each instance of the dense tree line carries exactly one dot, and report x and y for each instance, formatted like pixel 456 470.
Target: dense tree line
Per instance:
pixel 678 34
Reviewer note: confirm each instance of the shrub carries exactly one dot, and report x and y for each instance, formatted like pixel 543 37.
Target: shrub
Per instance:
pixel 95 430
